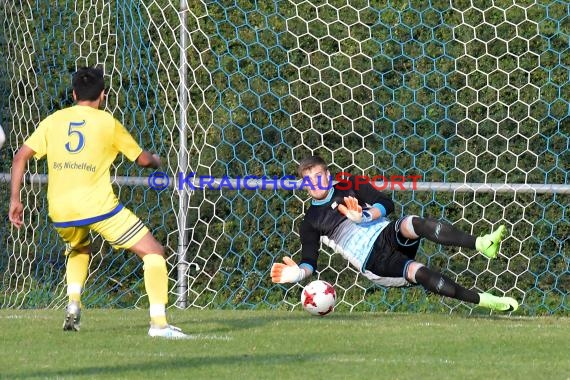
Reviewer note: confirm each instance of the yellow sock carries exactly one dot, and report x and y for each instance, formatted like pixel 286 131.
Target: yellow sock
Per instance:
pixel 76 274
pixel 156 284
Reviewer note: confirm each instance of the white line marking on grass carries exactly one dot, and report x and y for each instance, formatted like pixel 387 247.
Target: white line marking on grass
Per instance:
pixel 400 361
pixel 209 337
pixel 198 337
pixel 24 316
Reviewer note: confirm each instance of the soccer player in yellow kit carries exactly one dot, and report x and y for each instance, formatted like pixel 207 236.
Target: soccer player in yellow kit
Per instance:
pixel 81 142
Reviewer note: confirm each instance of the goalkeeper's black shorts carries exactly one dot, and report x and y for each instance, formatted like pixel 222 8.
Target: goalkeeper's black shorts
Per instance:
pixel 392 251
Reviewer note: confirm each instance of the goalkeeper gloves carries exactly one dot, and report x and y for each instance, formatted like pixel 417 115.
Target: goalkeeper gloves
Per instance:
pixel 354 212
pixel 288 272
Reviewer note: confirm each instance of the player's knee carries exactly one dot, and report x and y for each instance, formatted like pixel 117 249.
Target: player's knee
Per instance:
pixel 407 227
pixel 411 270
pixel 156 247
pixel 160 249
pixel 147 245
pixel 153 249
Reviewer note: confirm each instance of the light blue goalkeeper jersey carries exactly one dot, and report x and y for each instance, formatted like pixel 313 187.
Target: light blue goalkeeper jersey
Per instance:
pixel 354 241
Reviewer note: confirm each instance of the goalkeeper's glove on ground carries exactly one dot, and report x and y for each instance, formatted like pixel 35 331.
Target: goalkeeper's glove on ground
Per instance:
pixel 288 272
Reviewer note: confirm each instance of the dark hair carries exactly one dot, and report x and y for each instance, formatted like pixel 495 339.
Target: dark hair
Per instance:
pixel 88 83
pixel 310 162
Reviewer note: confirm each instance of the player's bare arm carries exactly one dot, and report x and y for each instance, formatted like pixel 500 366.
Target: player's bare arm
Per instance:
pixel 18 168
pixel 148 160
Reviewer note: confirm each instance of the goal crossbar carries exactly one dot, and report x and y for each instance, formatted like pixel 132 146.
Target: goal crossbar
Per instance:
pixel 285 184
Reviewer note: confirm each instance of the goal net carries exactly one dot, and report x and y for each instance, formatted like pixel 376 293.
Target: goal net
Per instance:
pixel 471 96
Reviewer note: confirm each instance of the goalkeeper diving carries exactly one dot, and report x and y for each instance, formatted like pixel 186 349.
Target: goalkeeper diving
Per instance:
pixel 351 218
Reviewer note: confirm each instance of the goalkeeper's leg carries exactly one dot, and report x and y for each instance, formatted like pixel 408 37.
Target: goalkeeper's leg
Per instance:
pixel 385 261
pixel 441 232
pixel 438 283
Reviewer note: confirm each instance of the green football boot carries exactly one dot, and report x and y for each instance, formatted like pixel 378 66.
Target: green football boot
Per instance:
pixel 489 244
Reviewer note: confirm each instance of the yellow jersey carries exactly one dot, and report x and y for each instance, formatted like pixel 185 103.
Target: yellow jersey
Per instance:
pixel 81 143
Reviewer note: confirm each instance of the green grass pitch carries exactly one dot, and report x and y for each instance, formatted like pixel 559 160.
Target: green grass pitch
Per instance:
pixel 112 344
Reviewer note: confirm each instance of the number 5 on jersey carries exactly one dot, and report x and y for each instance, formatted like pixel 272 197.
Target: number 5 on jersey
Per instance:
pixel 76 138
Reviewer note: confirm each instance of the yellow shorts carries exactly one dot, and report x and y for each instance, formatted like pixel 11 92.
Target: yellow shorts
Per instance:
pixel 122 230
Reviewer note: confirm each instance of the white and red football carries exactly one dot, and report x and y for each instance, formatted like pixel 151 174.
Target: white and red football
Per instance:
pixel 318 298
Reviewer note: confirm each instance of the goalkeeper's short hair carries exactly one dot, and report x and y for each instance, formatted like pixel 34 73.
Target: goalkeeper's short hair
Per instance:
pixel 310 162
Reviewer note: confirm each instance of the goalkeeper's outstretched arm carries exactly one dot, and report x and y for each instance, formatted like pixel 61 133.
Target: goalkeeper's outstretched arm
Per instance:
pixel 289 271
